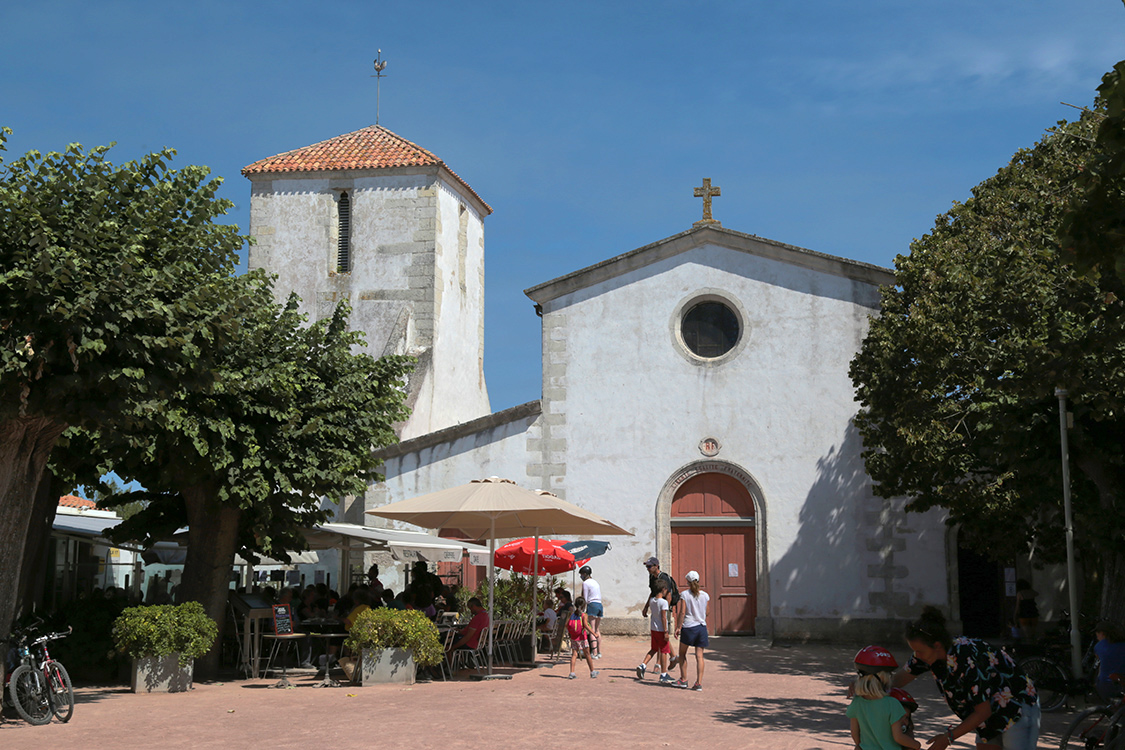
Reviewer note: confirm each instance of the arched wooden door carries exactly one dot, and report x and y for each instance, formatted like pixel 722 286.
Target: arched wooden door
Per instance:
pixel 713 534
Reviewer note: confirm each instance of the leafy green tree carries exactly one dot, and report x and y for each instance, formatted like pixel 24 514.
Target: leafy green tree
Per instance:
pixel 957 376
pixel 113 284
pixel 290 420
pixel 1093 229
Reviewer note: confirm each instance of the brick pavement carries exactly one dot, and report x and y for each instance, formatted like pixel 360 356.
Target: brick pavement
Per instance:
pixel 756 696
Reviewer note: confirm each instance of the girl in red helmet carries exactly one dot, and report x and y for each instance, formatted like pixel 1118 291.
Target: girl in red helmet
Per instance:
pixel 876 717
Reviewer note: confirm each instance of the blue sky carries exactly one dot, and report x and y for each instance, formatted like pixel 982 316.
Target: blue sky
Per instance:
pixel 841 127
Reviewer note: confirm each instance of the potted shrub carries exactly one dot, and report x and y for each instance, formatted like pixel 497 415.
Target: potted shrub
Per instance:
pixel 164 641
pixel 392 643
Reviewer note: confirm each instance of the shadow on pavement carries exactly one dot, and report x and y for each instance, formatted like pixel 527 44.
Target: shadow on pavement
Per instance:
pixel 786 715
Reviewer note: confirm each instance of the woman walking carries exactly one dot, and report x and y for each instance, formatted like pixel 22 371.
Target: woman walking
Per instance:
pixel 981 683
pixel 693 631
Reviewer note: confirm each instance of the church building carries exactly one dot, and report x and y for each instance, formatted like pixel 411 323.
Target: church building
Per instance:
pixel 695 390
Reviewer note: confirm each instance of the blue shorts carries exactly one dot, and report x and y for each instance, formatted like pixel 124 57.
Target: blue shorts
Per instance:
pixel 694 636
pixel 594 609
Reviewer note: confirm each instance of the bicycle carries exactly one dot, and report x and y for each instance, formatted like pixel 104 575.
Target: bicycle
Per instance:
pixel 1098 728
pixel 1049 670
pixel 39 686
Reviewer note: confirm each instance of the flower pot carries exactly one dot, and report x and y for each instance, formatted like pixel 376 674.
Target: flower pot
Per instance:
pixel 387 665
pixel 160 674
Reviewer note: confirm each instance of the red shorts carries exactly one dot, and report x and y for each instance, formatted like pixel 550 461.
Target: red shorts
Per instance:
pixel 660 642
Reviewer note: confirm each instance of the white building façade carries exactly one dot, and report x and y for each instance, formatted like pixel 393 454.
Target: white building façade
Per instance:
pixel 695 390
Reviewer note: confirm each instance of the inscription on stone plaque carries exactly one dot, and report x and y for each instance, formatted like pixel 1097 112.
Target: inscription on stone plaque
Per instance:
pixel 709 447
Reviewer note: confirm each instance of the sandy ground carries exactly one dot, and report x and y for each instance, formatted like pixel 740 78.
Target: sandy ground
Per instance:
pixel 755 696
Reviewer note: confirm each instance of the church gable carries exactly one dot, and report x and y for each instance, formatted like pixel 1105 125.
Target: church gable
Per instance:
pixel 699 236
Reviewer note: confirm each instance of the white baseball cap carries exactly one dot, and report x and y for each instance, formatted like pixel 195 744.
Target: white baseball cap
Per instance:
pixel 692 575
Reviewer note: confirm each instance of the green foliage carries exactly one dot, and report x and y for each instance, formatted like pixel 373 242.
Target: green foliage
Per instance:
pixel 1093 229
pixel 956 377
pixel 291 417
pixel 396 628
pixel 111 281
pixel 165 629
pixel 512 598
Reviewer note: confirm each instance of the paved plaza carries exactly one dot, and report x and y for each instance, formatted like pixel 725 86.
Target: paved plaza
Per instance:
pixel 755 696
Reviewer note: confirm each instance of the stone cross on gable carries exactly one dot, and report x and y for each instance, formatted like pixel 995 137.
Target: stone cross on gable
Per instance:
pixel 706 193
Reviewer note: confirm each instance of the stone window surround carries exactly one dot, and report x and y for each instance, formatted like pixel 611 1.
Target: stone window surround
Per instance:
pixel 338 188
pixel 708 295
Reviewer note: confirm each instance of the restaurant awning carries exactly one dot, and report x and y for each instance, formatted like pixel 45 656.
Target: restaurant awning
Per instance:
pixel 403 545
pixel 93 528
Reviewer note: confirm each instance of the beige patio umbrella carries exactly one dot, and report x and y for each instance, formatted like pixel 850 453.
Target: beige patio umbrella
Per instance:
pixel 494 509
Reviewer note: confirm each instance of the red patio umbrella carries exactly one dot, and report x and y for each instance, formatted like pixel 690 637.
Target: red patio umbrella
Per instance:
pixel 519 556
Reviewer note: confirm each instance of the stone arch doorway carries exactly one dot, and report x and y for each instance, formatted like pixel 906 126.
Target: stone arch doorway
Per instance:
pixel 713 525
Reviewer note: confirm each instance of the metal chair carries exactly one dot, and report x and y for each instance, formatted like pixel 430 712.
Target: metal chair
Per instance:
pixel 558 639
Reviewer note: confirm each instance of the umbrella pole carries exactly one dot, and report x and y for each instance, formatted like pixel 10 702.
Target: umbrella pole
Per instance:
pixel 491 588
pixel 535 603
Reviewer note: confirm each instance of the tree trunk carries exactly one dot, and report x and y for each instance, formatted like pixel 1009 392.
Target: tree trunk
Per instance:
pixel 25 445
pixel 1111 556
pixel 34 575
pixel 212 543
pixel 1113 586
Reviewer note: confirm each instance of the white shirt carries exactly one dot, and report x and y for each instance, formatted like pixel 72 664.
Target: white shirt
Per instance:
pixel 591 591
pixel 657 608
pixel 552 617
pixel 695 608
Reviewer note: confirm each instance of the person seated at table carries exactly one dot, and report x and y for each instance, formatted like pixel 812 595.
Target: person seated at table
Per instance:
pixel 565 603
pixel 361 598
pixel 547 617
pixel 471 633
pixel 308 609
pixel 407 599
pixel 431 610
pixel 389 600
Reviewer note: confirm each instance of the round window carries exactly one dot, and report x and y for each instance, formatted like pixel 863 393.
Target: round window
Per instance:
pixel 710 329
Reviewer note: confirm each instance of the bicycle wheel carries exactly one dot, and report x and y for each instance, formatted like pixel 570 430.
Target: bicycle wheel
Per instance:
pixel 29 695
pixel 1090 730
pixel 61 691
pixel 1050 681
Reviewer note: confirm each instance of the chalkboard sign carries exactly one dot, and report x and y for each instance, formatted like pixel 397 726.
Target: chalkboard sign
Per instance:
pixel 282 619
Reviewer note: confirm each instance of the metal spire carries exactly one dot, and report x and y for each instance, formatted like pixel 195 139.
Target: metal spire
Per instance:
pixel 380 64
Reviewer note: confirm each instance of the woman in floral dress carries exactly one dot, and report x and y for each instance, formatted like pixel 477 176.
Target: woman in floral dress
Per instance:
pixel 981 683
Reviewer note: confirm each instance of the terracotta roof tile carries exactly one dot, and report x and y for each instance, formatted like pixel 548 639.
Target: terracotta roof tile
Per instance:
pixel 72 501
pixel 373 147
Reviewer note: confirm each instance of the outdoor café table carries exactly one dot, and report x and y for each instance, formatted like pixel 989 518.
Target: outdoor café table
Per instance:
pixel 326 638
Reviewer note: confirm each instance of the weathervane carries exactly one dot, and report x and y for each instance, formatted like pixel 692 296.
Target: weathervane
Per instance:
pixel 380 64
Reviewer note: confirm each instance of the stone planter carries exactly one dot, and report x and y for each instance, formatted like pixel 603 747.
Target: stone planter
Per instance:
pixel 388 665
pixel 161 674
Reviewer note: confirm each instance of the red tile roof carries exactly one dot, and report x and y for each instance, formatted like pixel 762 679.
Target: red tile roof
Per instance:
pixel 373 147
pixel 72 501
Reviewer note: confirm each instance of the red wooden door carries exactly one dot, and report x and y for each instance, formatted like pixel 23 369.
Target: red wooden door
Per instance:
pixel 723 554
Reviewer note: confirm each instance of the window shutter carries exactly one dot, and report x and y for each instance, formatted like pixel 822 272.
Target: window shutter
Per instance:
pixel 344 234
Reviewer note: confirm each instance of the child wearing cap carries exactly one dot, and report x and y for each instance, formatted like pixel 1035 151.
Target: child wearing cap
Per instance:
pixel 693 631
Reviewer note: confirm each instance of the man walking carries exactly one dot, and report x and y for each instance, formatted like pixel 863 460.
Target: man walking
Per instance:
pixel 654 575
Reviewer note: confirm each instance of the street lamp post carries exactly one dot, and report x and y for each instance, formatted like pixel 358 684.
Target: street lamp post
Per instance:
pixel 1071 577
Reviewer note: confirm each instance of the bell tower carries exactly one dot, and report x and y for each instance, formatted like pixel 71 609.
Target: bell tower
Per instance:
pixel 371 218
